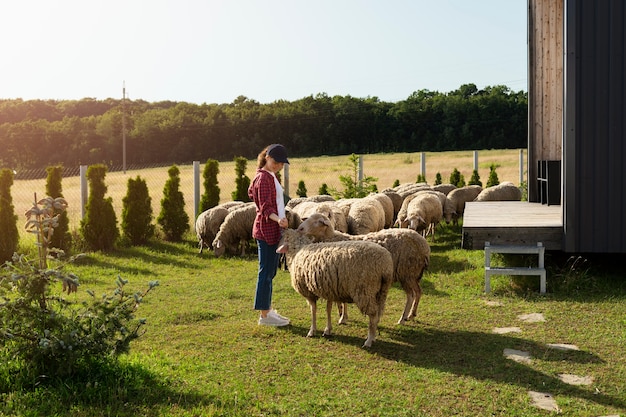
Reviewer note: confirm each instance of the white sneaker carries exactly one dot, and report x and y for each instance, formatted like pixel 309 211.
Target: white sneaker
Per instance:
pixel 276 314
pixel 272 320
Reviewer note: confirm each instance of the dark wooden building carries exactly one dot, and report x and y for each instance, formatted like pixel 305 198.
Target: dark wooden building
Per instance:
pixel 577 121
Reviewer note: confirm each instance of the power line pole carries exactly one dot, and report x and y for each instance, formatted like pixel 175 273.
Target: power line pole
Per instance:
pixel 124 126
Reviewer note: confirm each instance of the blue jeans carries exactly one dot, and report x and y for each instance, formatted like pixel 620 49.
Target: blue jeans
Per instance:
pixel 268 264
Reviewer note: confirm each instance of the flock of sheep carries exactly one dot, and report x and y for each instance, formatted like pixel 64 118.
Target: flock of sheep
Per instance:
pixel 352 250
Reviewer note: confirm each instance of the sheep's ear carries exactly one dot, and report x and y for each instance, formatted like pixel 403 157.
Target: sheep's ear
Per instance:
pixel 284 248
pixel 326 221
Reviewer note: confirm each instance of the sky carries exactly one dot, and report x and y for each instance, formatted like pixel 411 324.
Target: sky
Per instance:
pixel 213 51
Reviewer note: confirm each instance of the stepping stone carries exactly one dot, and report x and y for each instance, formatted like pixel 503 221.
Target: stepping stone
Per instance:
pixel 517 355
pixel 494 303
pixel 504 330
pixel 575 379
pixel 562 346
pixel 531 318
pixel 544 401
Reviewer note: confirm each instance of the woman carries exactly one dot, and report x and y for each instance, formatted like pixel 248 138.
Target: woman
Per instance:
pixel 267 194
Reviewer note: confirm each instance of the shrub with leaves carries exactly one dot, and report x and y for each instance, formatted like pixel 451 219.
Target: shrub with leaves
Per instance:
pixel 420 178
pixel 455 177
pixel 99 226
pixel 353 188
pixel 211 196
pixel 438 179
pixel 475 180
pixel 137 216
pixel 323 190
pixel 8 220
pixel 45 335
pixel 173 218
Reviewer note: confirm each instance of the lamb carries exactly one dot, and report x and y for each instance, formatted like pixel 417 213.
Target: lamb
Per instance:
pixel 409 250
pixel 236 231
pixel 462 195
pixel 505 191
pixel 365 215
pixel 357 272
pixel 209 221
pixel 424 213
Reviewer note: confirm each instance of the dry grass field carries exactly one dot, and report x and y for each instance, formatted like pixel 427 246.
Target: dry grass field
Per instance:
pixel 386 168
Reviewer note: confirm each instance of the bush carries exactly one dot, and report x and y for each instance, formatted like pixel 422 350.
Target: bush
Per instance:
pixel 61 238
pixel 301 191
pixel 420 178
pixel 242 182
pixel 8 219
pixel 493 176
pixel 45 335
pixel 475 180
pixel 211 196
pixel 99 226
pixel 323 190
pixel 173 219
pixel 137 216
pixel 455 177
pixel 438 179
pixel 353 188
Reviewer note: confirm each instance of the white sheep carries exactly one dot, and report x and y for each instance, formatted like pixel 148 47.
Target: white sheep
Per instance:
pixel 365 215
pixel 409 250
pixel 444 188
pixel 209 221
pixel 462 195
pixel 396 199
pixel 315 198
pixel 236 231
pixel 424 213
pixel 505 191
pixel 356 272
pixel 305 208
pixel 387 204
pixel 449 211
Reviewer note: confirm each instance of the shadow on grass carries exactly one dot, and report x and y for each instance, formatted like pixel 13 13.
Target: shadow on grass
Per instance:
pixel 479 356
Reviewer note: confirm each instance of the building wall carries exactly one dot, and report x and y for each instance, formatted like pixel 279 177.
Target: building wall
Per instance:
pixel 545 86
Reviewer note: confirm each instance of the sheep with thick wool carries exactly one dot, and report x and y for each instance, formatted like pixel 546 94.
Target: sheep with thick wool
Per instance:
pixel 235 232
pixel 505 191
pixel 460 196
pixel 387 204
pixel 356 272
pixel 424 213
pixel 209 221
pixel 410 253
pixel 365 215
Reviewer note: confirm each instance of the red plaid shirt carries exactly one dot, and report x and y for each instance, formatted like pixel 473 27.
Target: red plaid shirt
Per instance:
pixel 262 191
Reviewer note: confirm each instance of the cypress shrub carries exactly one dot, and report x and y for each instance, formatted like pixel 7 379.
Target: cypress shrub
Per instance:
pixel 173 219
pixel 137 216
pixel 242 182
pixel 455 177
pixel 475 180
pixel 99 226
pixel 323 190
pixel 493 176
pixel 438 179
pixel 61 237
pixel 211 196
pixel 8 220
pixel 301 191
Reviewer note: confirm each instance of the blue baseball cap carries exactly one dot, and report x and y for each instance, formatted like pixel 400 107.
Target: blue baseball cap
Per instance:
pixel 278 152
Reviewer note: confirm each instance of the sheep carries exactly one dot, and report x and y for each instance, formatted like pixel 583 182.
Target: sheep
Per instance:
pixel 314 198
pixel 235 231
pixel 444 188
pixel 209 221
pixel 411 188
pixel 365 215
pixel 357 272
pixel 448 207
pixel 462 195
pixel 396 199
pixel 409 250
pixel 330 209
pixel 505 191
pixel 424 213
pixel 388 209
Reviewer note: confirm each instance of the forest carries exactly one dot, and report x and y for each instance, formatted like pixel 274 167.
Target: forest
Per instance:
pixel 39 133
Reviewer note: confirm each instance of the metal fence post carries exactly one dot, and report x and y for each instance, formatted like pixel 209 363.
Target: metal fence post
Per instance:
pixel 83 190
pixel 196 189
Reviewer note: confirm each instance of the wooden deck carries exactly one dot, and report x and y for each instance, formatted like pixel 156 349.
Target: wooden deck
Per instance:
pixel 512 223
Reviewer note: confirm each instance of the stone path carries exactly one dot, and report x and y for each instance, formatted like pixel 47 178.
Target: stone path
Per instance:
pixel 542 400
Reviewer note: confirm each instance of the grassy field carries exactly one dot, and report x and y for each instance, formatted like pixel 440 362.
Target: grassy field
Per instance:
pixel 404 167
pixel 203 353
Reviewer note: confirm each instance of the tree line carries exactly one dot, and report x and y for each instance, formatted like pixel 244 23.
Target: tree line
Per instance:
pixel 39 133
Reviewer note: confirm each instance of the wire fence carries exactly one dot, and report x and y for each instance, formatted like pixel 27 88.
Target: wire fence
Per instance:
pixel 313 172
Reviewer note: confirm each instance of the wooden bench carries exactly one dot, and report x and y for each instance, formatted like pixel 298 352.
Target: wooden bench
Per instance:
pixel 538 250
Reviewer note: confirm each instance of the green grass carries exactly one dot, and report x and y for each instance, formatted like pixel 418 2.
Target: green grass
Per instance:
pixel 203 353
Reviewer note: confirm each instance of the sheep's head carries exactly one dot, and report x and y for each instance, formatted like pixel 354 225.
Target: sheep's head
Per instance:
pixel 316 226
